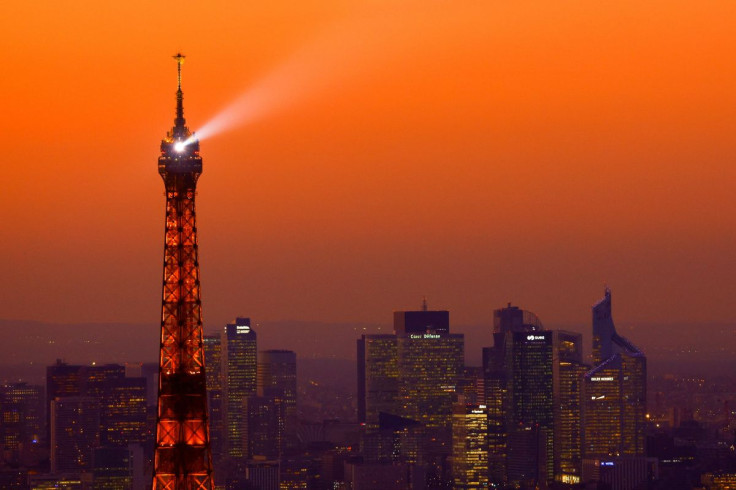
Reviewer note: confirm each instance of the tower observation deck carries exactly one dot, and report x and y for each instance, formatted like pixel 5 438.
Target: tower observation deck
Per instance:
pixel 182 458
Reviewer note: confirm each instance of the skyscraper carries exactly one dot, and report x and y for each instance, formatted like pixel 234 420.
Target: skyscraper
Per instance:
pixel 615 391
pixel 21 420
pixel 123 412
pixel 378 374
pixel 213 361
pixel 182 456
pixel 469 446
pixel 263 419
pixel 277 378
pixel 430 364
pixel 67 380
pixel 75 431
pixel 239 367
pixel 568 395
pixel 530 425
pixel 533 387
pixel 277 381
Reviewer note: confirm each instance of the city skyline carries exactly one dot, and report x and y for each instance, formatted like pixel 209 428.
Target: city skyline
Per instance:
pixel 595 140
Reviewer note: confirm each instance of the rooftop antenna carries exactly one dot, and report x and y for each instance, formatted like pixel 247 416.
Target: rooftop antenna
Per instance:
pixel 424 303
pixel 180 122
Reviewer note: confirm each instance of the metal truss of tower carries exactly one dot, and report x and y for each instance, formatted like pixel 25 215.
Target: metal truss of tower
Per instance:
pixel 182 458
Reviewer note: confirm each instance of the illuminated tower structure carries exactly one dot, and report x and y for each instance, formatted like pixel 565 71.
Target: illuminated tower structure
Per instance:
pixel 182 458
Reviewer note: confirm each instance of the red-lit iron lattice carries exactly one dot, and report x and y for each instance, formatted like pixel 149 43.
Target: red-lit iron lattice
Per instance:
pixel 182 458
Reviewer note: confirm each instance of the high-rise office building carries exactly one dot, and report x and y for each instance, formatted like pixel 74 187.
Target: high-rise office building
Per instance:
pixel 112 468
pixel 430 365
pixel 277 378
pixel 497 383
pixel 533 390
pixel 615 391
pixel 239 369
pixel 469 445
pixel 123 412
pixel 530 360
pixel 277 381
pixel 378 374
pixel 213 361
pixel 21 421
pixel 75 431
pixel 263 417
pixel 568 395
pixel 70 380
pixel 413 373
pixel 215 401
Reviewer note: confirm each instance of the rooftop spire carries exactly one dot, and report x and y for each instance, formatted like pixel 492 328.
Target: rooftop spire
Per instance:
pixel 179 122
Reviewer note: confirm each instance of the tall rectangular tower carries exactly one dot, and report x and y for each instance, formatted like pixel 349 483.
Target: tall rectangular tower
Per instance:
pixel 213 361
pixel 182 457
pixel 377 378
pixel 239 367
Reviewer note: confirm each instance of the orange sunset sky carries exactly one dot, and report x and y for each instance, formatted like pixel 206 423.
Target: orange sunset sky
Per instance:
pixel 476 152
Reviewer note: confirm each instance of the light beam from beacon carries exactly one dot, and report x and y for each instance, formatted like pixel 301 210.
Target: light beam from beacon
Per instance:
pixel 346 50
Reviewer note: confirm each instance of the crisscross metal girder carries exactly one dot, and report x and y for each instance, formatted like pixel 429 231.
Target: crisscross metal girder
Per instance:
pixel 183 459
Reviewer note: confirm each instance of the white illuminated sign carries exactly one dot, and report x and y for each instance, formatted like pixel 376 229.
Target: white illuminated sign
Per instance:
pixel 602 378
pixel 242 329
pixel 535 337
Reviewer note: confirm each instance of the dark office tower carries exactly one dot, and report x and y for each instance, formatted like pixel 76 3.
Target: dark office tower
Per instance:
pixel 514 319
pixel 469 446
pixel 21 421
pixel 239 368
pixel 75 431
pixel 63 380
pixel 568 389
pixel 378 373
pixel 496 401
pixel 182 456
pixel 277 380
pixel 112 468
pixel 213 361
pixel 277 377
pixel 123 412
pixel 615 391
pixel 498 376
pixel 263 417
pixel 530 360
pixel 407 322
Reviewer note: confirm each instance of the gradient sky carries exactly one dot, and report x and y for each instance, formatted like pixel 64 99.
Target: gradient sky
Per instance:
pixel 474 152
